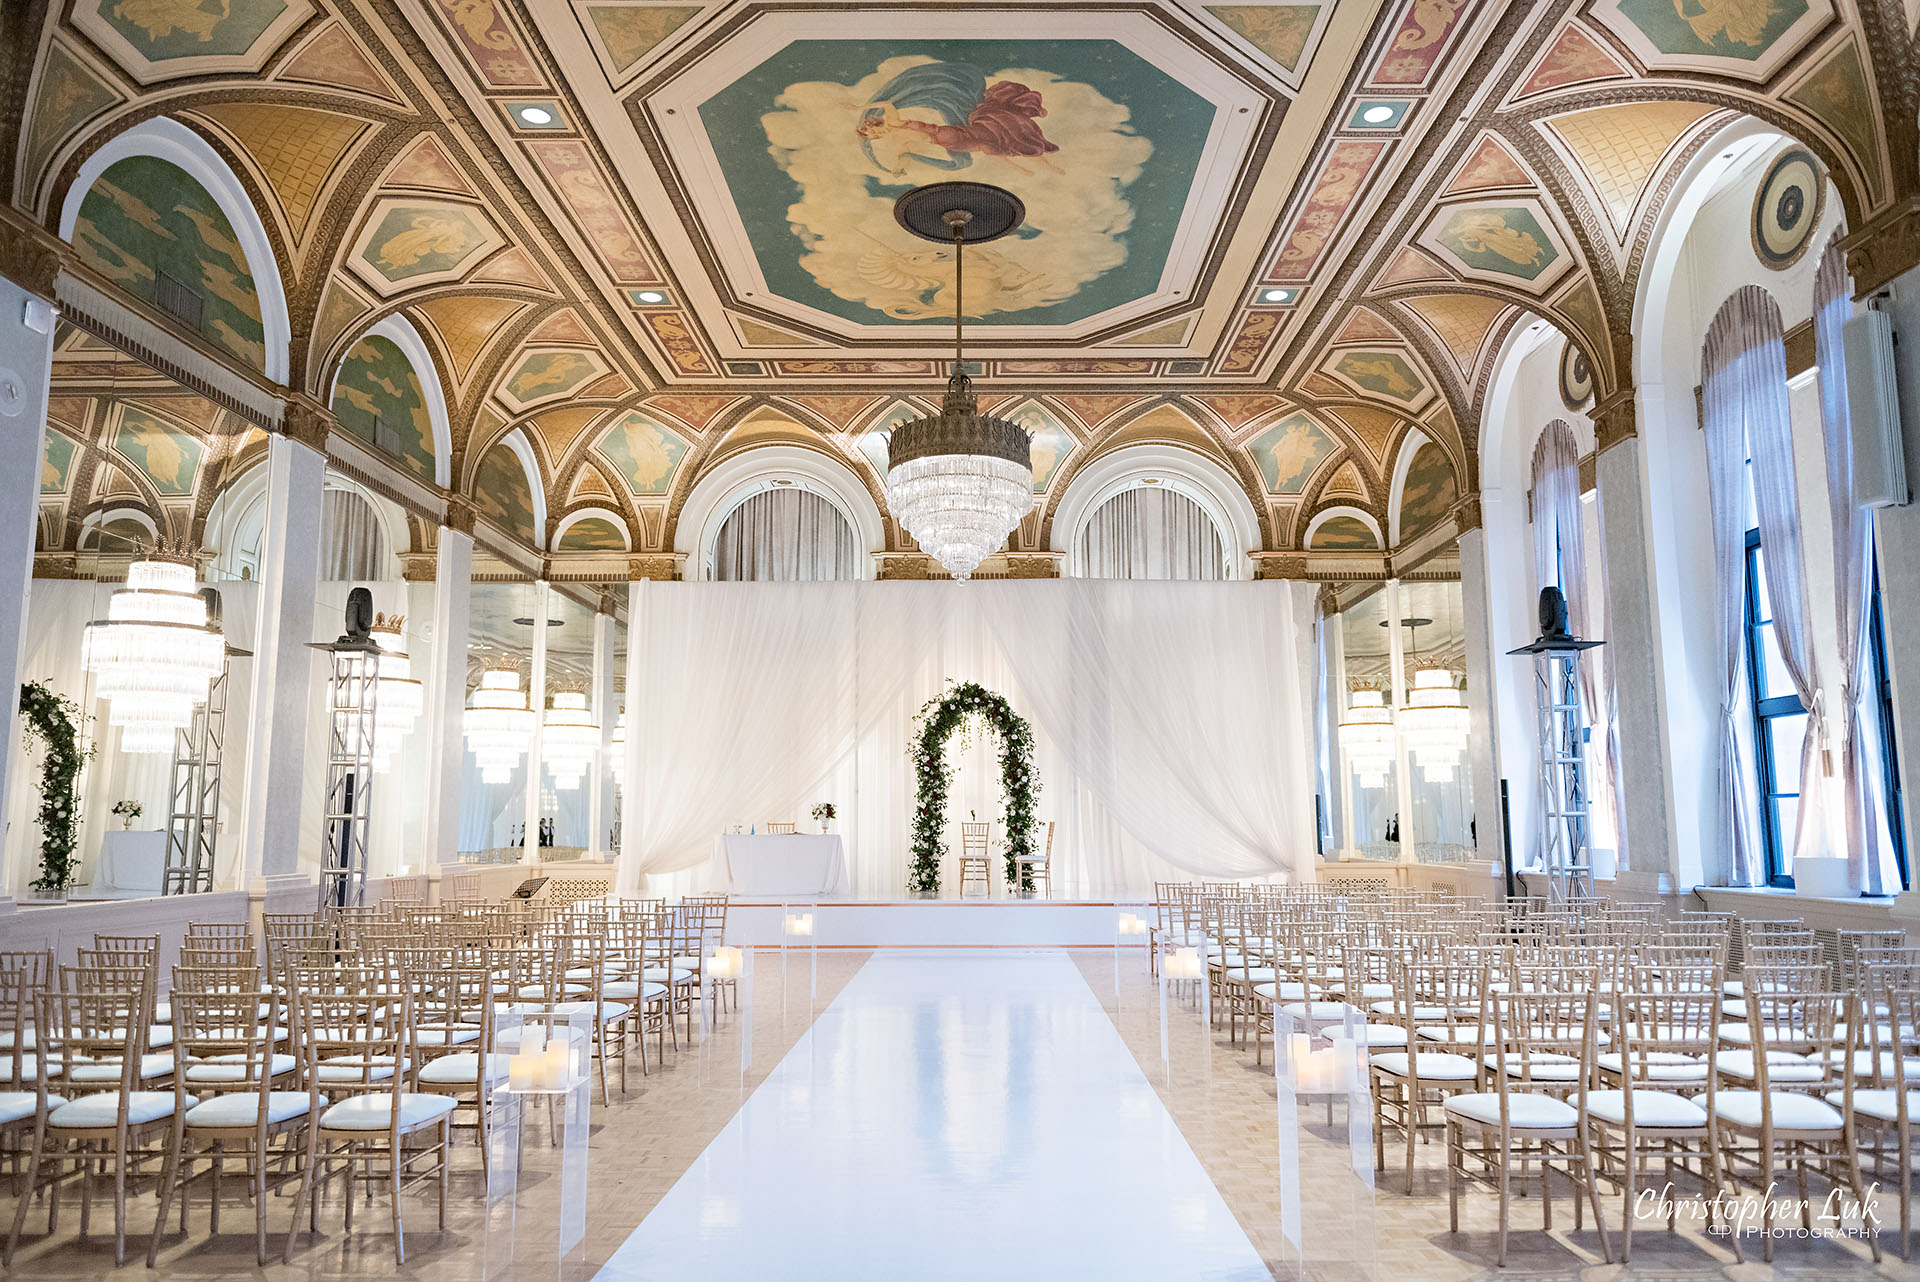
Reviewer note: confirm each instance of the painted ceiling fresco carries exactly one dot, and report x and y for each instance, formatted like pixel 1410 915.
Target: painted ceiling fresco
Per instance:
pixel 1291 237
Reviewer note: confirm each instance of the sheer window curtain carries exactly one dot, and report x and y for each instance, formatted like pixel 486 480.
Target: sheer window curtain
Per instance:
pixel 350 547
pixel 1871 866
pixel 782 536
pixel 1744 402
pixel 1150 532
pixel 1560 559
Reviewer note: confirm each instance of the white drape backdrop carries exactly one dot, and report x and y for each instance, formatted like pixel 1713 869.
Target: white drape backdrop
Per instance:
pixel 1171 720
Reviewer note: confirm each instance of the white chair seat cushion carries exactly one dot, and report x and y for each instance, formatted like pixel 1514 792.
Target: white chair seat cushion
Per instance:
pixel 666 974
pixel 92 1111
pixel 1433 1066
pixel 1285 990
pixel 163 1011
pixel 610 1012
pixel 1792 1111
pixel 375 1112
pixel 27 1040
pixel 1525 1110
pixel 1660 1066
pixel 684 962
pixel 1882 1104
pixel 355 1069
pixel 1386 1035
pixel 627 990
pixel 151 1066
pixel 242 1108
pixel 1252 974
pixel 463 1069
pixel 1864 1065
pixel 17 1106
pixel 1456 1034
pixel 1782 1066
pixel 233 1068
pixel 1375 988
pixel 1650 1108
pixel 1316 1012
pixel 1421 1014
pixel 458 1035
pixel 1539 1066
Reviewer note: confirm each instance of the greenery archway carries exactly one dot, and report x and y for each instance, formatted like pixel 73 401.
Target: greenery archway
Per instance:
pixel 939 717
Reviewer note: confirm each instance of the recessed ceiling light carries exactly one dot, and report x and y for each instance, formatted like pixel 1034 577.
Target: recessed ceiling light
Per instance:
pixel 651 296
pixel 1277 296
pixel 535 116
pixel 1379 115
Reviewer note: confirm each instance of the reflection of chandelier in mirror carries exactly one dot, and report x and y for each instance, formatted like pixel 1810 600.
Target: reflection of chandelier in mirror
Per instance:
pixel 960 480
pixel 398 697
pixel 154 654
pixel 1366 735
pixel 1435 721
pixel 498 723
pixel 568 739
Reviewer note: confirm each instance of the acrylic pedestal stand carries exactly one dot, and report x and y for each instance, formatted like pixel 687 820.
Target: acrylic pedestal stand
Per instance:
pixel 550 1063
pixel 735 966
pixel 796 931
pixel 1326 1140
pixel 1184 973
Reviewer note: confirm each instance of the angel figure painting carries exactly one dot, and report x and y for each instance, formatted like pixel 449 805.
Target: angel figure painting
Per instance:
pixel 817 143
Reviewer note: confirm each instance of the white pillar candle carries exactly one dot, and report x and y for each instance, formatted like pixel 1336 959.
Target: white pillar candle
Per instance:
pixel 522 1071
pixel 1298 1048
pixel 557 1068
pixel 1345 1063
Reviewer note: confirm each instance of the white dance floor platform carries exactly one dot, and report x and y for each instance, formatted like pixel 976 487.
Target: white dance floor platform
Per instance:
pixel 934 923
pixel 951 1115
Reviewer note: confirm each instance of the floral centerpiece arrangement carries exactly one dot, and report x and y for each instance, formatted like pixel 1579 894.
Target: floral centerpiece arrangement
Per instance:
pixel 128 810
pixel 823 814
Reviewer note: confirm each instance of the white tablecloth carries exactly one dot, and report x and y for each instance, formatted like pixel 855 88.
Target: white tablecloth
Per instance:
pixel 132 861
pixel 802 865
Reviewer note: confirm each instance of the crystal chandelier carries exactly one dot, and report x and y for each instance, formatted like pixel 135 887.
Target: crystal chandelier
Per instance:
pixel 398 697
pixel 960 481
pixel 568 739
pixel 154 654
pixel 1435 721
pixel 498 723
pixel 1366 734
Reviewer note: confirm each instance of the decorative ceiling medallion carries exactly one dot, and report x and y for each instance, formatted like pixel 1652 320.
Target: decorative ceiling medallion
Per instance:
pixel 162 41
pixel 1504 242
pixel 548 375
pixel 792 137
pixel 1750 39
pixel 1576 376
pixel 410 243
pixel 1787 209
pixel 1288 453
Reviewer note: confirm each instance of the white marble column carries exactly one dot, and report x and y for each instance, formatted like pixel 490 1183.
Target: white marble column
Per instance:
pixel 26 359
pixel 447 697
pixel 1339 779
pixel 282 666
pixel 605 709
pixel 1633 656
pixel 1402 759
pixel 1483 694
pixel 537 699
pixel 632 800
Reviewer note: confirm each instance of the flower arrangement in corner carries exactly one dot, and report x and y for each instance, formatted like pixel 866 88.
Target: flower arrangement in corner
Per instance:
pixel 52 723
pixel 823 814
pixel 128 811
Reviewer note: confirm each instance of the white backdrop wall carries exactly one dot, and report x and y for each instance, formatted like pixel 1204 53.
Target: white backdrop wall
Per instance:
pixel 1171 722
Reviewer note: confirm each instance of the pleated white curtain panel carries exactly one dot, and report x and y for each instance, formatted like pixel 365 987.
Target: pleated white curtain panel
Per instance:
pixel 1560 560
pixel 1171 721
pixel 1744 405
pixel 1149 533
pixel 1871 866
pixel 350 545
pixel 784 536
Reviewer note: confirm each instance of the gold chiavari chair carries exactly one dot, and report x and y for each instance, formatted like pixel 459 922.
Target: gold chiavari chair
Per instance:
pixel 378 1120
pixel 1439 1001
pixel 587 958
pixel 108 1119
pixel 780 829
pixel 1035 872
pixel 974 865
pixel 226 1103
pixel 651 999
pixel 1885 1104
pixel 1657 1103
pixel 453 1029
pixel 1782 1106
pixel 1527 1118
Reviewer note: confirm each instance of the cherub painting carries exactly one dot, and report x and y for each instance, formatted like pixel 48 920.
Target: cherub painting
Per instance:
pixel 972 116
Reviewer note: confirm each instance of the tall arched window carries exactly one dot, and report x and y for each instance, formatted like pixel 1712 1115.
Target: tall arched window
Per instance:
pixel 1149 532
pixel 784 535
pixel 350 544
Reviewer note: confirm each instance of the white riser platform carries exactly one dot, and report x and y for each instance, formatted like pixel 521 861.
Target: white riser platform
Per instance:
pixel 935 923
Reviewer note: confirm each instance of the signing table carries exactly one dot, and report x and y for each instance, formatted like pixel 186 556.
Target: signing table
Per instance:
pixel 797 865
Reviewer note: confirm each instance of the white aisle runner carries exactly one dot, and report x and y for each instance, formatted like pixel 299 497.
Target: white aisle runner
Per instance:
pixel 949 1115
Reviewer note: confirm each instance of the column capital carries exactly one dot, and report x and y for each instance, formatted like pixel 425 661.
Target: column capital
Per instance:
pixel 1885 248
pixel 1466 513
pixel 28 259
pixel 418 567
pixel 905 565
pixel 660 568
pixel 307 423
pixel 1614 419
pixel 1327 600
pixel 1034 565
pixel 461 512
pixel 1279 565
